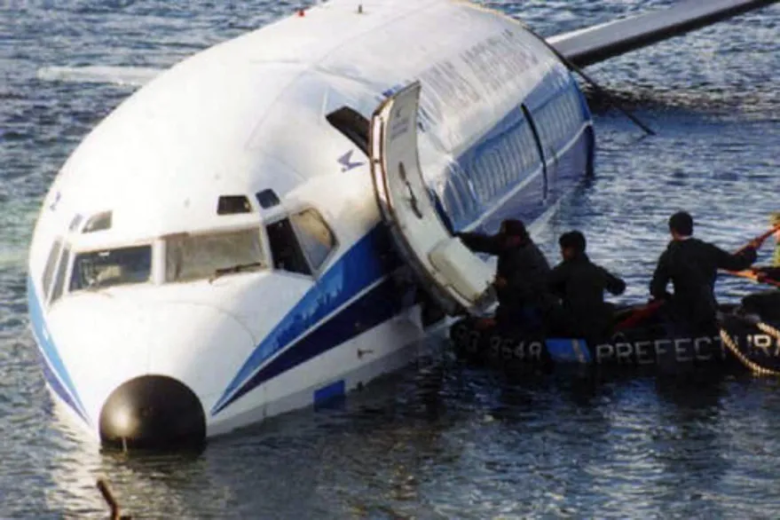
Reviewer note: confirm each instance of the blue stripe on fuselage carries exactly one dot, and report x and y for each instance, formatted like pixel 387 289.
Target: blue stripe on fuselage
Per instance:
pixel 369 310
pixel 370 259
pixel 53 367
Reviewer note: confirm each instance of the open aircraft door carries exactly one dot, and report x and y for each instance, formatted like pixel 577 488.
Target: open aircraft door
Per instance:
pixel 454 276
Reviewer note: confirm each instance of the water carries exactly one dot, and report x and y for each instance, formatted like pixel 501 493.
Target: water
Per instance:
pixel 437 440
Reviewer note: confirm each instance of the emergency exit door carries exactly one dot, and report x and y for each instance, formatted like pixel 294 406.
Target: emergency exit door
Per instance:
pixel 454 276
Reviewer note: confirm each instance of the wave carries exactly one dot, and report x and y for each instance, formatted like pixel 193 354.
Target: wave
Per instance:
pixel 125 76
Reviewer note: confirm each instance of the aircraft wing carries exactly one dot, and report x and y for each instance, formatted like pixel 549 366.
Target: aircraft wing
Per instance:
pixel 601 42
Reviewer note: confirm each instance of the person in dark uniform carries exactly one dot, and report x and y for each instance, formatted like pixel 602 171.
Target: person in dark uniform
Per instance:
pixel 771 272
pixel 774 221
pixel 692 266
pixel 766 304
pixel 521 276
pixel 581 284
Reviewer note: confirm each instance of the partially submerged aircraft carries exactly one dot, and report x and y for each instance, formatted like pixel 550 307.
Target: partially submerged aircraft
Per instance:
pixel 248 233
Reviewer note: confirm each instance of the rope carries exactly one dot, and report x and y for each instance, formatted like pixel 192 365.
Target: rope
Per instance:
pixel 768 329
pixel 753 367
pixel 612 100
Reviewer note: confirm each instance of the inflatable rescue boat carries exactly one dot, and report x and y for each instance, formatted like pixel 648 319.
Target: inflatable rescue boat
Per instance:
pixel 748 336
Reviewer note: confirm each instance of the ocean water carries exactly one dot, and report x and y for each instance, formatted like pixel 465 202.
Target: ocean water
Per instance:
pixel 437 440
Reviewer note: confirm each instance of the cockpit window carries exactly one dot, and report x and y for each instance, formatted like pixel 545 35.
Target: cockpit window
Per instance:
pixel 59 279
pixel 51 263
pixel 286 249
pixel 315 236
pixel 99 222
pixel 233 205
pixel 193 257
pixel 99 269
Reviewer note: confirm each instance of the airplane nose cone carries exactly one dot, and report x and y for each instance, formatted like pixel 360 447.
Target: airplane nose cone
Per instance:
pixel 152 412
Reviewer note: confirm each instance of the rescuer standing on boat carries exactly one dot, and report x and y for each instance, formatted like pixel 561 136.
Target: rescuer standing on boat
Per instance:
pixel 692 266
pixel 767 303
pixel 774 221
pixel 521 276
pixel 771 272
pixel 581 284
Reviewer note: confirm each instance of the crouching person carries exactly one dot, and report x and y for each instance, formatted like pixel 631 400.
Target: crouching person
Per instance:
pixel 580 284
pixel 521 278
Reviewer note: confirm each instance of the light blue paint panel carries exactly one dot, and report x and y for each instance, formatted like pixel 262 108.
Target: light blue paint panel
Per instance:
pixel 568 351
pixel 329 393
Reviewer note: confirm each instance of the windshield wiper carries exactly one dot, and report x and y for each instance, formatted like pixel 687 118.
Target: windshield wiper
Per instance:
pixel 234 269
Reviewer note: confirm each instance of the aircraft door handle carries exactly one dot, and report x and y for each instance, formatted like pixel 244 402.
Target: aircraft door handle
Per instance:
pixel 411 197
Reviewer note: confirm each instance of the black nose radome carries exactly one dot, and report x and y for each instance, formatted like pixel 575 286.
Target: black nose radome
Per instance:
pixel 152 412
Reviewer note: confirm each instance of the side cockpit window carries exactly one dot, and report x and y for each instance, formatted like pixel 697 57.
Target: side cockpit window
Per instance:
pixel 59 279
pixel 51 264
pixel 316 238
pixel 301 243
pixel 285 248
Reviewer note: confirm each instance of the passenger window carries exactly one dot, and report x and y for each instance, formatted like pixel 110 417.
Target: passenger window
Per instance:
pixel 51 263
pixel 285 248
pixel 316 239
pixel 59 280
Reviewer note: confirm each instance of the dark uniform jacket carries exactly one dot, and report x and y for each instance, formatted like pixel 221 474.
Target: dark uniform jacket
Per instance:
pixel 766 304
pixel 692 266
pixel 581 284
pixel 520 263
pixel 771 273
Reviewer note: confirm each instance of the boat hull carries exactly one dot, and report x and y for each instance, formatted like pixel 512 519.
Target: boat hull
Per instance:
pixel 648 345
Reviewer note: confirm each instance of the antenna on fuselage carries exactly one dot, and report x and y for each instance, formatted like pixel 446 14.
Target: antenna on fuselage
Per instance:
pixel 599 89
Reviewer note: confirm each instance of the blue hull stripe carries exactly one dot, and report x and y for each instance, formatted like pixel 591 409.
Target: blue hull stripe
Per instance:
pixel 53 367
pixel 568 350
pixel 370 259
pixel 375 307
pixel 330 392
pixel 56 386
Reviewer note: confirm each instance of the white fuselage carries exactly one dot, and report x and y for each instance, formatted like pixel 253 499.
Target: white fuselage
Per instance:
pixel 248 116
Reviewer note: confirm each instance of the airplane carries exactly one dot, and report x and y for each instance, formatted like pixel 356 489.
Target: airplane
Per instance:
pixel 269 224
